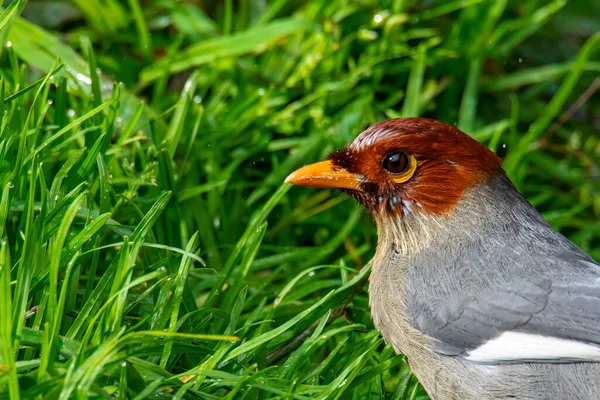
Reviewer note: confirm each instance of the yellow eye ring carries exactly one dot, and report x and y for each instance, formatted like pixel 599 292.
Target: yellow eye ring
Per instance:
pixel 408 173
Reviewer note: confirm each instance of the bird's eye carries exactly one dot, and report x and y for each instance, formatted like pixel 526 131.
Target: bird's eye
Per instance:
pixel 400 165
pixel 396 163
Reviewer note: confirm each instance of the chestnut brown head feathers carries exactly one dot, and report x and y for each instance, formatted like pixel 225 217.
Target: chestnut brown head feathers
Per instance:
pixel 405 164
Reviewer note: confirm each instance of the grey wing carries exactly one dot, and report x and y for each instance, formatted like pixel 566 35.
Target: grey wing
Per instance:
pixel 552 317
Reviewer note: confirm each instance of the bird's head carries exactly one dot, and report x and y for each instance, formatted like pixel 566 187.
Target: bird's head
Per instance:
pixel 405 166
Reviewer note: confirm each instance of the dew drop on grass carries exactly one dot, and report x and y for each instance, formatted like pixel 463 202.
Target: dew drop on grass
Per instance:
pixel 261 92
pixel 55 197
pixel 71 113
pixel 197 99
pixel 83 78
pixel 124 364
pixel 9 44
pixel 311 273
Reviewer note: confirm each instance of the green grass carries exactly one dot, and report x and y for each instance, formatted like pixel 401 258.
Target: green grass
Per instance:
pixel 148 247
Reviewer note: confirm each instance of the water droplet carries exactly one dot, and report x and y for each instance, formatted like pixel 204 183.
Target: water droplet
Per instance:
pixel 50 102
pixel 83 78
pixel 377 18
pixel 520 60
pixel 55 197
pixel 217 222
pixel 311 273
pixel 71 113
pixel 261 92
pixel 9 44
pixel 124 364
pixel 197 99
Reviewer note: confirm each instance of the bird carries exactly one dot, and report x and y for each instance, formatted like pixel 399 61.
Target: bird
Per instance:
pixel 483 297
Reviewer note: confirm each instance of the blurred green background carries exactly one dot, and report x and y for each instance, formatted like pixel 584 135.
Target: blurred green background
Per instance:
pixel 148 246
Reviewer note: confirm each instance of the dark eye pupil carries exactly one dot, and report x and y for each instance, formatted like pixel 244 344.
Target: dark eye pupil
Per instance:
pixel 396 163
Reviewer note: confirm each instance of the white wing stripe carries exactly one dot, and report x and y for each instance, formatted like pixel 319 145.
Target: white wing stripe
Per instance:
pixel 515 346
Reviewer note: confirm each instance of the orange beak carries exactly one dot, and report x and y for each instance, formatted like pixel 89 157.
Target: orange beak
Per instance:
pixel 324 174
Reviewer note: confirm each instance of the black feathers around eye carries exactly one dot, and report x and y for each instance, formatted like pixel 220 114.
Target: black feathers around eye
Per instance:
pixel 344 158
pixel 396 163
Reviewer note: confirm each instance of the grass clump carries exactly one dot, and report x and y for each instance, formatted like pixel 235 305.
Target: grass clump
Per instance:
pixel 148 246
